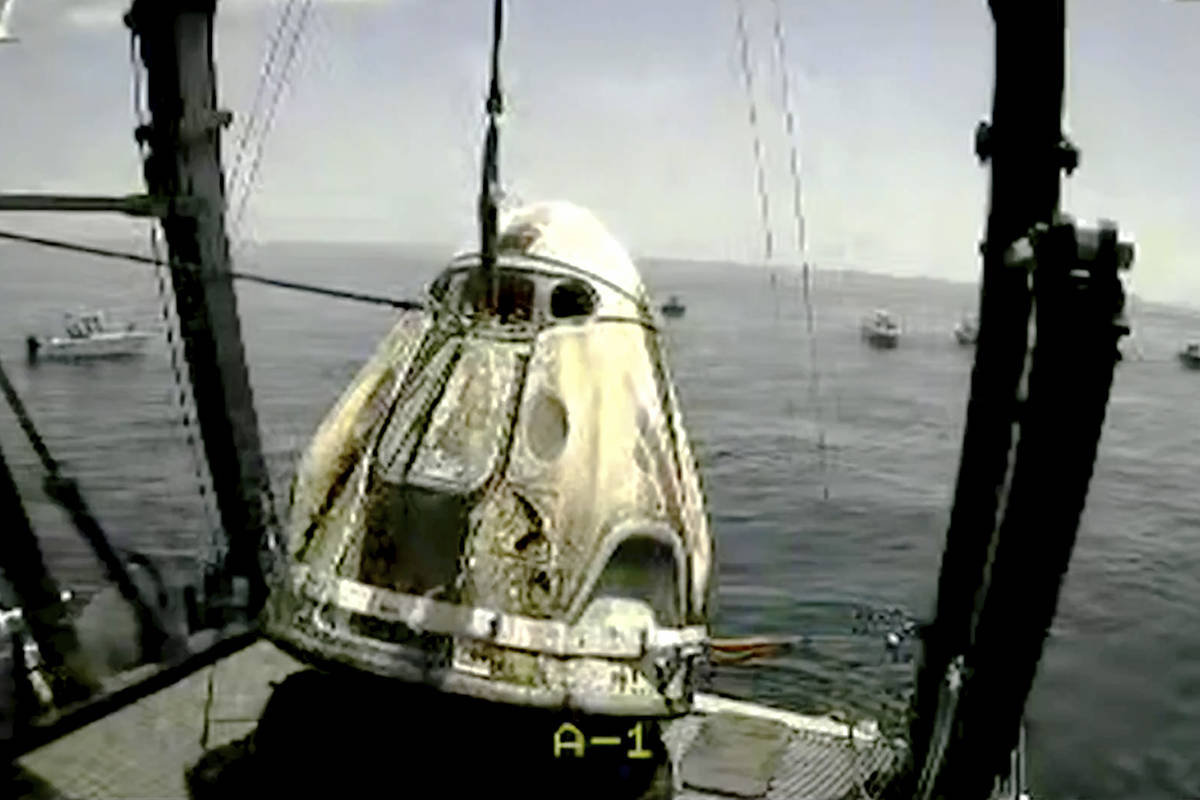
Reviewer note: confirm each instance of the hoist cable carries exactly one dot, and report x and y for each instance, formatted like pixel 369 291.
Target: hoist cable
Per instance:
pixel 748 77
pixel 801 243
pixel 241 201
pixel 264 78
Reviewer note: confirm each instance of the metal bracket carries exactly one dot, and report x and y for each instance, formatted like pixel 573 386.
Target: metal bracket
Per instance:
pixel 1067 154
pixel 191 129
pixel 672 670
pixel 983 141
pixel 1093 244
pixel 1100 255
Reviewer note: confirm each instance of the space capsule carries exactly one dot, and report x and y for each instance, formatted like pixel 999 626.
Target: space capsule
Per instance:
pixel 504 503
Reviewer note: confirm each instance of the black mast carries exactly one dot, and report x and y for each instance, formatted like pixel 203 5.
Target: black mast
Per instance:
pixel 184 168
pixel 1023 146
pixel 490 188
pixel 999 585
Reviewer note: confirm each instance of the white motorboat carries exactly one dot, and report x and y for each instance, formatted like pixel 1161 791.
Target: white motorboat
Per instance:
pixel 879 329
pixel 89 336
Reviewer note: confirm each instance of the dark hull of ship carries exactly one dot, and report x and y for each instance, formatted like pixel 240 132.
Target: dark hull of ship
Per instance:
pixel 881 340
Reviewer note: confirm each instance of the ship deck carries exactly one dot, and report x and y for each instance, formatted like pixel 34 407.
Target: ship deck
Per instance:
pixel 725 748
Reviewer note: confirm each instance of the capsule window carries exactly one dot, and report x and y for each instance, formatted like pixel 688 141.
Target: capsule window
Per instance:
pixel 514 296
pixel 572 298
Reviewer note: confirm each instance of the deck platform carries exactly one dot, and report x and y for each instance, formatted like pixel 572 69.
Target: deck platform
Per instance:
pixel 726 748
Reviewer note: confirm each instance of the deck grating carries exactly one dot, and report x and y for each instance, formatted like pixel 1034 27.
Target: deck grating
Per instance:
pixel 143 750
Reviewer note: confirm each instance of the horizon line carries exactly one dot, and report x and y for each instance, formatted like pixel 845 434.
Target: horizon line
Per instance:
pixel 835 265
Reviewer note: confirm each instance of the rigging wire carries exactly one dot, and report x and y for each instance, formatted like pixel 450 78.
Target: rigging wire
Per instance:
pixel 797 208
pixel 252 173
pixel 790 125
pixel 814 382
pixel 748 77
pixel 178 365
pixel 361 297
pixel 65 491
pixel 264 79
pixel 27 427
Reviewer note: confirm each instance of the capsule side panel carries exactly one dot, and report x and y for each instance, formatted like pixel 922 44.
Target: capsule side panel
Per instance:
pixel 342 435
pixel 591 451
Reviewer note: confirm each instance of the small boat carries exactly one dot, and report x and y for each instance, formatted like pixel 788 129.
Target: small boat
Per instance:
pixel 967 330
pixel 880 330
pixel 673 307
pixel 89 336
pixel 1189 356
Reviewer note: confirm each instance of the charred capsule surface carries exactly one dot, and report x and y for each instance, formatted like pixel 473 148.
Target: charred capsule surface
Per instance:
pixel 504 502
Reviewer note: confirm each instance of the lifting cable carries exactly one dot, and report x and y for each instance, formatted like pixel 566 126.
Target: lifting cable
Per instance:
pixel 797 207
pixel 814 382
pixel 239 202
pixel 760 170
pixel 243 143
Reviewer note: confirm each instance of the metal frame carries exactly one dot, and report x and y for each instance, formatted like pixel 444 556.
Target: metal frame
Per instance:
pixel 182 143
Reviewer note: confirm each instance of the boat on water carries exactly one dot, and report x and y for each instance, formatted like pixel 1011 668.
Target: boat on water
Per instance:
pixel 1189 356
pixel 967 330
pixel 674 307
pixel 880 329
pixel 89 335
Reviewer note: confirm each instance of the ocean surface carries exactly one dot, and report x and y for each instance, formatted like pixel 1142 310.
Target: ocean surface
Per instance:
pixel 861 522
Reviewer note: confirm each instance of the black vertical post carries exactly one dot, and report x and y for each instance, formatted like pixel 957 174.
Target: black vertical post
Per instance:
pixel 1079 320
pixel 184 167
pixel 490 181
pixel 1024 146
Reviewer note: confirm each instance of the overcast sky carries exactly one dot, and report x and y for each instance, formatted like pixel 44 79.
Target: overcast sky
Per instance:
pixel 636 109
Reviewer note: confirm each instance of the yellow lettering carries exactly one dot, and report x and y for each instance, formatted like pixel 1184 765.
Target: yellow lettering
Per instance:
pixel 638 751
pixel 562 743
